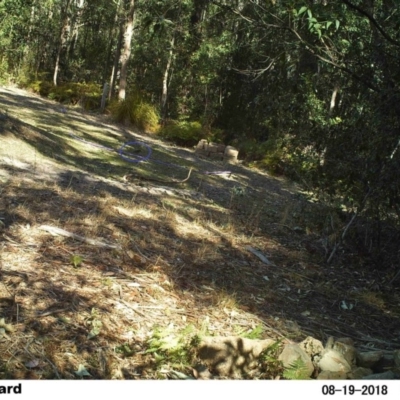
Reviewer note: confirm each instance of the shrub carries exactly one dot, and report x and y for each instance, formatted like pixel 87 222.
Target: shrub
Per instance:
pixel 88 95
pixel 136 110
pixel 184 133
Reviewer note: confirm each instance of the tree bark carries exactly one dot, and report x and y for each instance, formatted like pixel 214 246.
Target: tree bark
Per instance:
pixel 127 50
pixel 164 94
pixel 66 27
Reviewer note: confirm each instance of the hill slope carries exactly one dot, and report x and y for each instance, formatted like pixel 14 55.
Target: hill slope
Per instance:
pixel 91 262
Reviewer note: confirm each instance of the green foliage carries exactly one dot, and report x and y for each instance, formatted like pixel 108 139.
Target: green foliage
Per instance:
pixel 95 323
pixel 255 333
pixel 269 360
pixel 125 350
pixel 136 110
pixel 76 260
pixel 88 95
pixel 184 133
pixel 296 371
pixel 177 349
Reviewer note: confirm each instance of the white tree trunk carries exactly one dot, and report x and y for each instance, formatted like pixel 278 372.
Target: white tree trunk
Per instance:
pixel 127 51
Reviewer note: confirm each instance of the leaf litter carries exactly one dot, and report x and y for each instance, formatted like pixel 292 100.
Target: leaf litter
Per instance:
pixel 197 255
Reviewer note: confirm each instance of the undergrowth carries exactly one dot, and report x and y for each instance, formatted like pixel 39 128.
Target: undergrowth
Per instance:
pixel 88 95
pixel 173 349
pixel 137 111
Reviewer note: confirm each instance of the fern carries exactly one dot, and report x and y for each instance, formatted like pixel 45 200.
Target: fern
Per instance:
pixel 297 370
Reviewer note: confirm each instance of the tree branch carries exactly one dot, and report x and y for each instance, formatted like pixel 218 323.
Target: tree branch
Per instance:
pixel 373 21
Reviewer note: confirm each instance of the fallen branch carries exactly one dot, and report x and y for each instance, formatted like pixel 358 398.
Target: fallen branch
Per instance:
pixel 260 255
pixel 147 178
pixel 61 232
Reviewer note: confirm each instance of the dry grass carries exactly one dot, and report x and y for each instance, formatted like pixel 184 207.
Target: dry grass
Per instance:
pixel 181 258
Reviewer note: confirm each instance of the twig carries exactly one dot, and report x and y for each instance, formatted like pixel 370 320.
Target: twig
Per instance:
pixel 125 178
pixel 61 232
pixel 259 255
pixel 132 308
pixel 52 365
pixel 47 313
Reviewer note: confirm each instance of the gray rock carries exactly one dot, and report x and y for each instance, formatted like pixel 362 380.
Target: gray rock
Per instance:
pixel 332 375
pixel 347 350
pixel 232 356
pixel 334 361
pixel 368 359
pixel 359 373
pixel 291 353
pixel 383 375
pixel 313 347
pixel 396 356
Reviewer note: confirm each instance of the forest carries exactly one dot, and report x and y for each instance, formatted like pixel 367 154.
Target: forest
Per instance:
pixel 307 91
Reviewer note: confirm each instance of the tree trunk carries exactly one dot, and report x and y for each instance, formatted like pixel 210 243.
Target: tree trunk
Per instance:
pixel 117 55
pixel 164 94
pixel 76 23
pixel 127 51
pixel 66 27
pixel 113 28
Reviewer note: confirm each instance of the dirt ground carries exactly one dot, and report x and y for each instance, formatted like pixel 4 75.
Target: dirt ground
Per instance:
pixel 223 252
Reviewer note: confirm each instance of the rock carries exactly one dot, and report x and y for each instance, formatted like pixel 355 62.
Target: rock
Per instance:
pixel 313 347
pixel 385 363
pixel 212 147
pixel 346 350
pixel 396 356
pixel 383 375
pixel 216 156
pixel 230 159
pixel 231 151
pixel 368 359
pixel 332 375
pixel 359 373
pixel 334 361
pixel 232 356
pixel 346 340
pixel 291 353
pixel 201 371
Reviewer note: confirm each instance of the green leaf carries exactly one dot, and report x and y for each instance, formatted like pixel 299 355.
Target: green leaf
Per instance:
pixel 302 10
pixel 297 370
pixel 328 24
pixel 82 371
pixel 309 13
pixel 76 260
pixel 337 23
pixel 96 328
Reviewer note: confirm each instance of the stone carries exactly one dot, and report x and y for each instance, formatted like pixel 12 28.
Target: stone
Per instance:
pixel 331 375
pixel 368 359
pixel 359 373
pixel 313 347
pixel 346 340
pixel 216 156
pixel 396 356
pixel 230 160
pixel 202 144
pixel 385 363
pixel 291 353
pixel 212 147
pixel 232 356
pixel 346 350
pixel 334 361
pixel 383 375
pixel 221 148
pixel 231 151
